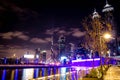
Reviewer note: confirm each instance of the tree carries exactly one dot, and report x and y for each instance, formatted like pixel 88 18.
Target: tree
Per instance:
pixel 95 27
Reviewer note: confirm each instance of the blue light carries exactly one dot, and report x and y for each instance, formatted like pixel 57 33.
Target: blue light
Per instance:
pixel 36 72
pixel 63 58
pixel 119 47
pixel 4 75
pixel 16 74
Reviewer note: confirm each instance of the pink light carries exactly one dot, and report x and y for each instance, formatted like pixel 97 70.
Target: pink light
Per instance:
pixel 83 60
pixel 57 63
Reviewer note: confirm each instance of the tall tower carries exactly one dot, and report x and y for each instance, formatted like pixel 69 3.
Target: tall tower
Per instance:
pixel 108 14
pixel 44 54
pixel 61 42
pixel 107 8
pixel 109 21
pixel 95 15
pixel 37 53
pixel 72 47
pixel 52 49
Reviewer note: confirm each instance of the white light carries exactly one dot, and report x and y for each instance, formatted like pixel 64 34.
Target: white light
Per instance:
pixel 29 56
pixel 44 51
pixel 37 56
pixel 63 57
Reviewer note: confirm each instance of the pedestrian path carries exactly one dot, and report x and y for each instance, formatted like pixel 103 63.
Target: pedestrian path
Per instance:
pixel 113 73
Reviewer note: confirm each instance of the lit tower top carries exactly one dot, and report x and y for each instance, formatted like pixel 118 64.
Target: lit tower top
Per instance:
pixel 109 18
pixel 95 14
pixel 107 7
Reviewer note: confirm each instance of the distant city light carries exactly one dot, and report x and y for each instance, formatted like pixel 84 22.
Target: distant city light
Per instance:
pixel 37 56
pixel 44 51
pixel 63 57
pixel 29 56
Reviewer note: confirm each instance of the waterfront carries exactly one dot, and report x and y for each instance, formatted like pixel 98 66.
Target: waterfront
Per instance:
pixel 62 73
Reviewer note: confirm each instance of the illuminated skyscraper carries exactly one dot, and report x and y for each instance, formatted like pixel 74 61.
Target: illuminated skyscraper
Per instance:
pixel 95 14
pixel 61 42
pixel 108 9
pixel 37 53
pixel 52 48
pixel 43 54
pixel 108 14
pixel 109 21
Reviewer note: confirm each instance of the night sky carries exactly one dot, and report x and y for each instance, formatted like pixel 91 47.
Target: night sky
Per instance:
pixel 28 24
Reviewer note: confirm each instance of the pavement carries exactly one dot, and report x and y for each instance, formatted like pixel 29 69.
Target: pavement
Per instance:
pixel 113 73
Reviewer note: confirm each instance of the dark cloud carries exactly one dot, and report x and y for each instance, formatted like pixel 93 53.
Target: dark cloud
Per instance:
pixel 16 34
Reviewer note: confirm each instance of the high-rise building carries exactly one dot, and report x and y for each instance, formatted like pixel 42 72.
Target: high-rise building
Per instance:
pixel 108 14
pixel 43 56
pixel 52 49
pixel 95 14
pixel 37 53
pixel 61 42
pixel 108 10
pixel 109 21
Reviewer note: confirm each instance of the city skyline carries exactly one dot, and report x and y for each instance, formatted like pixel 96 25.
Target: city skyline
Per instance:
pixel 27 25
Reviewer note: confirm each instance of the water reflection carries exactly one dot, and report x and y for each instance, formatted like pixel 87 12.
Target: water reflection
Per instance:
pixel 12 75
pixel 4 75
pixel 41 74
pixel 63 73
pixel 16 75
pixel 27 74
pixel 36 72
pixel 43 71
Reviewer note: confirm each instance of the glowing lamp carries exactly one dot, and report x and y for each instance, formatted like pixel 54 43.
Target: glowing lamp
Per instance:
pixel 107 36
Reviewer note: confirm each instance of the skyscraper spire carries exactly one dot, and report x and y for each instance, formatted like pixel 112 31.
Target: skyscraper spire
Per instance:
pixel 107 7
pixel 106 2
pixel 95 14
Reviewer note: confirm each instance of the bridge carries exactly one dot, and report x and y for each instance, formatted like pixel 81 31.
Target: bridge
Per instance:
pixel 31 66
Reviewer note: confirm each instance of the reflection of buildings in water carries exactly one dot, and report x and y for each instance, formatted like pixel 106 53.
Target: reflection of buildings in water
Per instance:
pixel 12 74
pixel 16 75
pixel 36 72
pixel 4 75
pixel 27 74
pixel 63 73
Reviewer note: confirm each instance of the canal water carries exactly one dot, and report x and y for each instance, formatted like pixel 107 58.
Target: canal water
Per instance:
pixel 62 73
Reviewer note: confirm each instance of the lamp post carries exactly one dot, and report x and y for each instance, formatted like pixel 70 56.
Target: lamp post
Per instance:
pixel 104 36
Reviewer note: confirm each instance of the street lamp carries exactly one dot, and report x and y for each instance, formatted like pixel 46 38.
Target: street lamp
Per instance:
pixel 107 36
pixel 104 36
